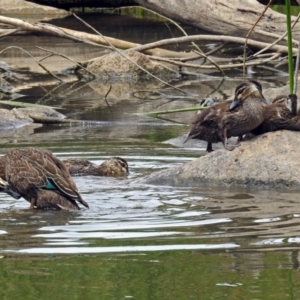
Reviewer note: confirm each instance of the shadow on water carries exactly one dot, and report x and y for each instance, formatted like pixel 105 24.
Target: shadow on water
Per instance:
pixel 140 241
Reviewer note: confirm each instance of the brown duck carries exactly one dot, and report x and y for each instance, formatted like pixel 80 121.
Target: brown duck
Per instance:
pixel 40 178
pixel 114 166
pixel 230 118
pixel 281 114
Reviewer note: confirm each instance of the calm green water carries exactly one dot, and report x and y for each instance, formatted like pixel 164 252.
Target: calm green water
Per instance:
pixel 140 241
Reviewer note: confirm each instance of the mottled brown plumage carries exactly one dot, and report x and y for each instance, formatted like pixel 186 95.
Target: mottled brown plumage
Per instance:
pixel 114 166
pixel 281 114
pixel 206 124
pixel 50 200
pixel 230 118
pixel 29 171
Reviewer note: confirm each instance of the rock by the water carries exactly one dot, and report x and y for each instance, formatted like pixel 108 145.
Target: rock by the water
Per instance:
pixel 270 160
pixel 42 112
pixel 116 66
pixel 9 120
pixel 19 117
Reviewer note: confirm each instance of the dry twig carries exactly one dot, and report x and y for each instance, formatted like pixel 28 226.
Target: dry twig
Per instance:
pixel 204 37
pixel 248 34
pixel 42 66
pixel 121 53
pixel 66 57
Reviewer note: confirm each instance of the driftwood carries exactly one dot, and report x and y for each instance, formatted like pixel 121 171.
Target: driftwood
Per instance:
pixel 92 39
pixel 150 49
pixel 234 17
pixel 204 61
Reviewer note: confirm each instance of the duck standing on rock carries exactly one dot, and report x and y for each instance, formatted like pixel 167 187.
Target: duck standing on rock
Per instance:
pixel 281 114
pixel 230 118
pixel 114 166
pixel 205 126
pixel 40 178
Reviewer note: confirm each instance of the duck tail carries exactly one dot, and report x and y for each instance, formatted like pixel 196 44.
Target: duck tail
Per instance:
pixel 82 201
pixel 187 139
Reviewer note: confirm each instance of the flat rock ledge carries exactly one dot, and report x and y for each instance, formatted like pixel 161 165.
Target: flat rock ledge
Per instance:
pixel 19 117
pixel 270 160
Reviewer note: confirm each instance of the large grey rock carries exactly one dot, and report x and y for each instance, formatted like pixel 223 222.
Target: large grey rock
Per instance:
pixel 269 160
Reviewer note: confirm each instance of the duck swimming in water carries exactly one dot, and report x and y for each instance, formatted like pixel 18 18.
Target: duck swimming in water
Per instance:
pixel 114 166
pixel 40 178
pixel 230 118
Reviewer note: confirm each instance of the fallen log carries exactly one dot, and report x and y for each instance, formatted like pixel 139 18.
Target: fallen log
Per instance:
pixel 206 62
pixel 234 17
pixel 93 39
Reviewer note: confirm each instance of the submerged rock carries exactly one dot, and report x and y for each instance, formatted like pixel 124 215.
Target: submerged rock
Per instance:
pixel 269 160
pixel 116 66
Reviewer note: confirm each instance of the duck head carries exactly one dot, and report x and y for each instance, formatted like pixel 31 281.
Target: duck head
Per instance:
pixel 246 89
pixel 115 166
pixel 290 101
pixel 6 188
pixel 280 99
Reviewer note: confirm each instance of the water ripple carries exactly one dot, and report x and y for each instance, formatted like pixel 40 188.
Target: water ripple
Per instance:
pixel 123 214
pixel 121 249
pixel 100 225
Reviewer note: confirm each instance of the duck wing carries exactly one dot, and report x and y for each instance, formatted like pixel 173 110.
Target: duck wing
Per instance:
pixel 40 168
pixel 50 200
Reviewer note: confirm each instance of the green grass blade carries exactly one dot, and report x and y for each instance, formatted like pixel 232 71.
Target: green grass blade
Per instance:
pixel 290 46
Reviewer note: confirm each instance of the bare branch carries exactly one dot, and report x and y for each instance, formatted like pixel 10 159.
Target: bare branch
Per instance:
pixel 248 34
pixel 278 40
pixel 226 66
pixel 122 53
pixel 92 39
pixel 42 66
pixel 66 57
pixel 203 37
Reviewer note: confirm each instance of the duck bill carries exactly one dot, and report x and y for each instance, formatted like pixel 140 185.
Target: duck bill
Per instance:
pixel 235 103
pixel 263 100
pixel 3 184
